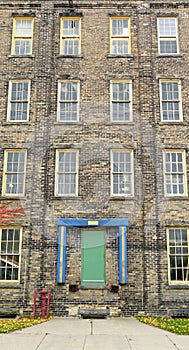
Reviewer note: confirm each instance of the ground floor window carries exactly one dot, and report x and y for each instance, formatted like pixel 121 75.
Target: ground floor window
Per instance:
pixel 10 245
pixel 178 254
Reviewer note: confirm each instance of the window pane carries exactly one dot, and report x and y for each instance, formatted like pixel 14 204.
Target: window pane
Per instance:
pixel 167 27
pixel 22 47
pixel 70 47
pixel 4 235
pixel 120 27
pixel 167 46
pixel 23 28
pixel 70 28
pixel 120 47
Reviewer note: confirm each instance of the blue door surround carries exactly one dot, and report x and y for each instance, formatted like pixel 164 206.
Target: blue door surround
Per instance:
pixel 63 223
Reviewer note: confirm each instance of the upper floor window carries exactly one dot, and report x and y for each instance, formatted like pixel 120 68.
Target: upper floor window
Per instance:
pixel 171 104
pixel 70 36
pixel 66 178
pixel 120 35
pixel 68 100
pixel 122 175
pixel 178 254
pixel 175 173
pixel 22 36
pixel 10 246
pixel 14 172
pixel 18 101
pixel 167 35
pixel 121 101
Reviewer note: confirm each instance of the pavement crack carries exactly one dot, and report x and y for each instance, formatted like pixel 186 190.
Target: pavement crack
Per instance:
pixel 41 341
pixel 130 347
pixel 84 343
pixel 176 347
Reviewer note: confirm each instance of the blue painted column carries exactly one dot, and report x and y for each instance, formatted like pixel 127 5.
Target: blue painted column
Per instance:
pixel 123 273
pixel 61 264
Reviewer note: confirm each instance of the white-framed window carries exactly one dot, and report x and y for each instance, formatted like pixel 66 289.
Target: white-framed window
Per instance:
pixel 70 36
pixel 178 254
pixel 14 172
pixel 68 100
pixel 170 99
pixel 120 35
pixel 10 251
pixel 167 35
pixel 175 173
pixel 66 177
pixel 18 101
pixel 122 173
pixel 121 100
pixel 22 37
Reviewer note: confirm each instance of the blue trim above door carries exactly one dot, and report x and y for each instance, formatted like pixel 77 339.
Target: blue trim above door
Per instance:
pixel 92 222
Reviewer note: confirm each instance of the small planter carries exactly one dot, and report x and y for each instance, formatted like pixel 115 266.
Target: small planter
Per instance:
pixel 114 288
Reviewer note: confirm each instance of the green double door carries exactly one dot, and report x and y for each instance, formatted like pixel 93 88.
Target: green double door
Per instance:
pixel 93 257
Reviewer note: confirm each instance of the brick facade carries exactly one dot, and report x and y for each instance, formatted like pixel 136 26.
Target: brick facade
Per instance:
pixel 149 211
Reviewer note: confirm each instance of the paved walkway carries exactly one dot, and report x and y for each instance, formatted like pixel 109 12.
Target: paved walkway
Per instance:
pixel 79 334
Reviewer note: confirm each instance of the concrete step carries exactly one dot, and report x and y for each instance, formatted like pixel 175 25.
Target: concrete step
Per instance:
pixel 93 313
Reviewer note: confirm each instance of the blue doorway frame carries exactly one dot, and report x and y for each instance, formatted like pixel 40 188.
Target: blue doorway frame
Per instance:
pixel 122 225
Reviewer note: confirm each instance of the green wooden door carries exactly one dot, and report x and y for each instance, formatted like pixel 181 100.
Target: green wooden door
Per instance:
pixel 93 257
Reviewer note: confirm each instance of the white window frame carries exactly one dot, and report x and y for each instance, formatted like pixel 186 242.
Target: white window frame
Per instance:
pixel 69 102
pixel 124 37
pixel 175 173
pixel 168 37
pixel 179 101
pixel 23 37
pixel 176 251
pixel 6 254
pixel 7 173
pixel 118 102
pixel 124 173
pixel 10 101
pixel 67 37
pixel 57 173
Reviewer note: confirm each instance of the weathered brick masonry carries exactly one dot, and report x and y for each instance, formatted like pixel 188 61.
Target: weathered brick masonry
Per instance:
pixel 149 211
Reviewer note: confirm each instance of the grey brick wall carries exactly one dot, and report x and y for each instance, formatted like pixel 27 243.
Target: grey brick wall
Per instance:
pixel 149 212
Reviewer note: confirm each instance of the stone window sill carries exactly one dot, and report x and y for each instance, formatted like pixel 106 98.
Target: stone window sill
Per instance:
pixel 21 56
pixel 179 286
pixel 69 56
pixel 10 285
pixel 120 56
pixel 169 55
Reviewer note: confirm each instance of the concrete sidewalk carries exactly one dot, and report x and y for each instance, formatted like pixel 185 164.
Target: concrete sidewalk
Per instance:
pixel 79 334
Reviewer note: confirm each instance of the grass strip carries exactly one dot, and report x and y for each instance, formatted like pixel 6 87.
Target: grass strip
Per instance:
pixel 174 325
pixel 7 326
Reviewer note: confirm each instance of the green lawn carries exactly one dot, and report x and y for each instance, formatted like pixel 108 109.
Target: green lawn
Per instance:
pixel 7 326
pixel 175 325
